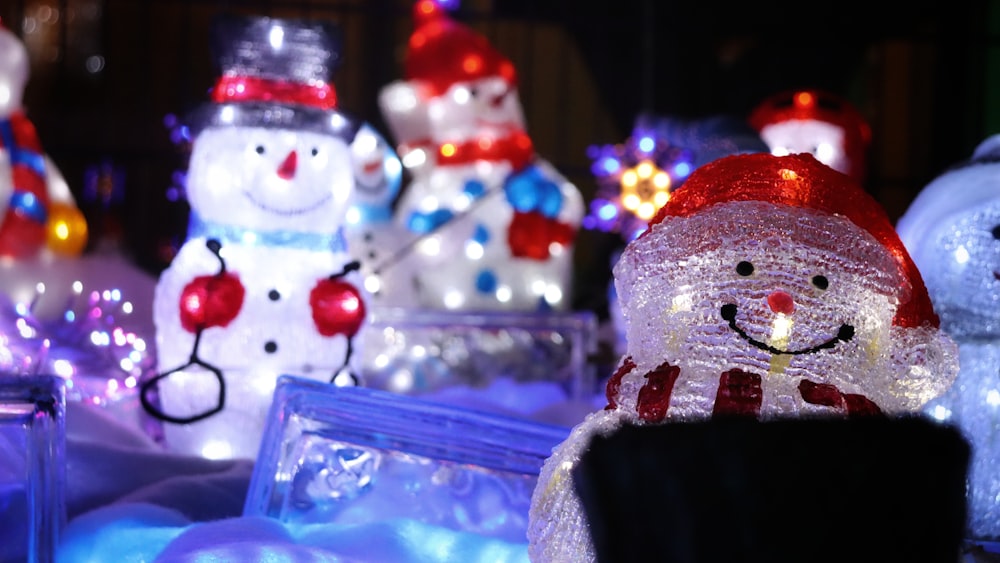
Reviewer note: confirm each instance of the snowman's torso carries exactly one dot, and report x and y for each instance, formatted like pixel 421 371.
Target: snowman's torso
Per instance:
pixel 273 334
pixel 463 259
pixel 973 404
pixel 274 328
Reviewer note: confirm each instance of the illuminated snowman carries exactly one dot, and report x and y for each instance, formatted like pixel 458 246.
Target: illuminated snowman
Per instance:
pixel 264 284
pixel 952 230
pixel 368 226
pixel 817 122
pixel 39 218
pixel 766 287
pixel 490 225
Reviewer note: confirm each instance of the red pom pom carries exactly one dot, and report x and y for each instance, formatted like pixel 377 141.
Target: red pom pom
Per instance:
pixel 209 301
pixel 531 235
pixel 337 308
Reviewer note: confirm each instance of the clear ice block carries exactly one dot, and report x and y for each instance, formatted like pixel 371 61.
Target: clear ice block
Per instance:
pixel 32 466
pixel 438 353
pixel 352 455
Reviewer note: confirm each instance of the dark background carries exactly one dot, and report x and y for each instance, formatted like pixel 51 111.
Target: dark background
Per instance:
pixel 108 74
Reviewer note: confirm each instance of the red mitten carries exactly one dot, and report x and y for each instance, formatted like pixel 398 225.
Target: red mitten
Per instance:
pixel 530 234
pixel 828 395
pixel 212 300
pixel 740 393
pixel 337 307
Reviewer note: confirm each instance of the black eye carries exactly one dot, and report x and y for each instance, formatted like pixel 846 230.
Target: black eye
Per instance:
pixel 821 282
pixel 315 151
pixel 260 149
pixel 473 92
pixel 996 232
pixel 744 268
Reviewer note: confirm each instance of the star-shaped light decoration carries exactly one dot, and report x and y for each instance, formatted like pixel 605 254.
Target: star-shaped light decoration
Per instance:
pixel 634 180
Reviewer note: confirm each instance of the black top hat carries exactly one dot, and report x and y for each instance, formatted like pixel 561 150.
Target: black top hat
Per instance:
pixel 275 73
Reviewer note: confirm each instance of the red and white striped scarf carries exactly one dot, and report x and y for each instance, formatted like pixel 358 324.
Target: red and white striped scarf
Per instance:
pixel 22 232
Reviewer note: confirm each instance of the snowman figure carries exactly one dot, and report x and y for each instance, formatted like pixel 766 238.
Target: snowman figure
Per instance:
pixel 369 227
pixel 952 231
pixel 39 217
pixel 264 284
pixel 490 225
pixel 817 122
pixel 766 287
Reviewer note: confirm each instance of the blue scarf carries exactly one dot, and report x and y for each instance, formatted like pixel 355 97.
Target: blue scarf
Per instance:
pixel 319 242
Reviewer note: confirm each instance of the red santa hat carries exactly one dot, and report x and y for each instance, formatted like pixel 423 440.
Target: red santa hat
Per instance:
pixel 443 52
pixel 819 105
pixel 801 181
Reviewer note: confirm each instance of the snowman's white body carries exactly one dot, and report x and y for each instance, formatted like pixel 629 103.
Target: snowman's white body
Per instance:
pixel 445 264
pixel 951 230
pixel 235 187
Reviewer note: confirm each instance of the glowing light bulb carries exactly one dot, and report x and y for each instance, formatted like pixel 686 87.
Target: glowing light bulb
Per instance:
pixel 454 299
pixel 630 178
pixel 961 255
pixel 504 294
pixel 645 211
pixel 217 450
pixel 781 329
pixel 277 37
pixel 414 158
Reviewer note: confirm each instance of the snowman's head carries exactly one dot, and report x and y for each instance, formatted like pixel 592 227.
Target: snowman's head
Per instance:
pixel 952 231
pixel 816 122
pixel 273 152
pixel 457 86
pixel 485 108
pixel 271 179
pixel 779 265
pixel 14 70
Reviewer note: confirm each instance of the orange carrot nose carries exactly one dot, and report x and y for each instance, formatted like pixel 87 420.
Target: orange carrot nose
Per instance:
pixel 287 169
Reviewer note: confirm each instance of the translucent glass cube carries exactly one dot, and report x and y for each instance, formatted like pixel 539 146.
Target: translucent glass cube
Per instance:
pixel 32 466
pixel 436 354
pixel 352 456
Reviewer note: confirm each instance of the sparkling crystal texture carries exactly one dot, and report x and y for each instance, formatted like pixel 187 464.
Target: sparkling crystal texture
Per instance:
pixel 541 359
pixel 356 456
pixel 952 230
pixel 32 467
pixel 766 287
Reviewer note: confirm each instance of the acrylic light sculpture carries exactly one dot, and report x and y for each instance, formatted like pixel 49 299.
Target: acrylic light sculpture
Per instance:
pixel 489 225
pixel 766 287
pixel 264 284
pixel 32 467
pixel 354 456
pixel 952 231
pixel 37 210
pixel 818 122
pixel 529 365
